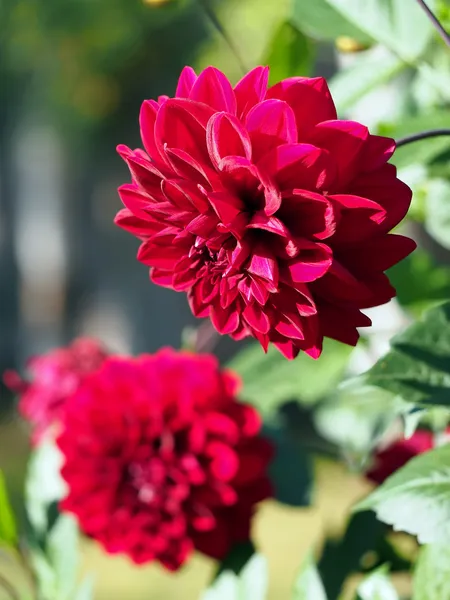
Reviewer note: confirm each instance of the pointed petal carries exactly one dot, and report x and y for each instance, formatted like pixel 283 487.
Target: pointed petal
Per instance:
pixel 187 79
pixel 270 124
pixel 264 265
pixel 147 120
pixel 214 89
pixel 225 136
pixel 256 318
pixel 251 89
pixel 376 152
pixel 224 320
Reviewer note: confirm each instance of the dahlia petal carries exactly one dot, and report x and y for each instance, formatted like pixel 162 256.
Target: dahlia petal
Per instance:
pixel 224 460
pixel 359 219
pixel 225 136
pixel 264 265
pixel 261 221
pixel 187 79
pixel 340 323
pixel 226 206
pixel 289 330
pixel 256 318
pixel 288 348
pixel 376 152
pixel 181 124
pixel 309 214
pixel 202 225
pixel 345 141
pixel 164 257
pixel 253 461
pixel 198 307
pixel 161 277
pixel 251 89
pixel 298 166
pixel 137 201
pixel 144 173
pixel 224 320
pixel 183 280
pixel 259 291
pixel 147 120
pixel 309 98
pixel 213 88
pixel 270 124
pixel 378 254
pixel 135 225
pixel 193 170
pixel 312 263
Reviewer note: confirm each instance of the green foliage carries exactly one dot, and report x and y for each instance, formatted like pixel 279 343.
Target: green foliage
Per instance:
pixel 418 366
pixel 250 584
pixel 432 573
pixel 309 586
pixel 269 379
pixel 290 471
pixel 290 53
pixel 8 530
pixel 377 587
pixel 437 220
pixel 416 498
pixel 237 558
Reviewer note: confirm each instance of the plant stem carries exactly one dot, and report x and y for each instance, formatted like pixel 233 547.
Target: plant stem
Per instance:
pixel 423 135
pixel 209 12
pixel 435 22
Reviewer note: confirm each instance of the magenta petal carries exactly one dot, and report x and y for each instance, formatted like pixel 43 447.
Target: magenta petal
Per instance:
pixel 144 172
pixel 376 152
pixel 309 98
pixel 270 124
pixel 378 254
pixel 287 348
pixel 181 124
pixel 193 170
pixel 264 265
pixel 214 89
pixel 224 320
pixel 225 136
pixel 309 214
pixel 261 221
pixel 187 79
pixel 298 166
pixel 256 318
pixel 311 264
pixel 161 277
pixel 164 257
pixel 147 120
pixel 128 221
pixel 344 140
pixel 202 225
pixel 251 89
pixel 226 206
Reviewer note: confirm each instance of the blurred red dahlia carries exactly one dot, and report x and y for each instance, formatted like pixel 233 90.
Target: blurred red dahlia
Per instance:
pixel 270 212
pixel 55 376
pixel 161 458
pixel 396 455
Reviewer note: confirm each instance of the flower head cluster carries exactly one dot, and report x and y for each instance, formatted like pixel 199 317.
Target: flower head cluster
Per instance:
pixel 161 458
pixel 270 212
pixel 55 377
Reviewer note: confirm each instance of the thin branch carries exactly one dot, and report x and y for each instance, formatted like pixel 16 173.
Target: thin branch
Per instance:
pixel 423 135
pixel 205 5
pixel 435 22
pixel 9 589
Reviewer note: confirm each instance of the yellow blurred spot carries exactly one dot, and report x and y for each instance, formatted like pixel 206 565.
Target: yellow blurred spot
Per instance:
pixel 155 2
pixel 348 44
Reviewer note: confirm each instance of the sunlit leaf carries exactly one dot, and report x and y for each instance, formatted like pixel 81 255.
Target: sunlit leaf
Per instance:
pixel 8 531
pixel 377 586
pixel 308 585
pixel 432 573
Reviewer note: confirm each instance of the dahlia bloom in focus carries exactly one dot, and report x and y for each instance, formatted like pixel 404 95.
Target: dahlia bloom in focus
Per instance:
pixel 161 458
pixel 396 455
pixel 55 376
pixel 272 214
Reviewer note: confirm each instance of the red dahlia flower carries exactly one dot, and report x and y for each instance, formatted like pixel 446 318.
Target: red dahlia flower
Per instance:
pixel 55 376
pixel 395 456
pixel 270 212
pixel 161 458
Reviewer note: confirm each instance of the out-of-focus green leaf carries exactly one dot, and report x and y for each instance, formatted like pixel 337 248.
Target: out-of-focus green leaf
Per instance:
pixel 269 379
pixel 368 71
pixel 250 584
pixel 425 151
pixel 238 557
pixel 308 585
pixel 416 498
pixel 419 281
pixel 432 573
pixel 44 485
pixel 377 586
pixel 290 53
pixel 290 471
pixel 63 555
pixel 85 590
pixel 357 415
pixel 8 531
pixel 417 368
pixel 341 558
pixel 437 220
pixel 400 26
pixel 323 22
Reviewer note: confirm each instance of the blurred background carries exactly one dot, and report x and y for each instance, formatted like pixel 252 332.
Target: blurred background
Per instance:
pixel 73 74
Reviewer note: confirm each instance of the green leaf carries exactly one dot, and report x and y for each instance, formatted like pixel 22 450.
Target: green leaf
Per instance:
pixel 416 498
pixel 419 281
pixel 400 26
pixel 417 368
pixel 425 151
pixel 269 379
pixel 8 531
pixel 290 470
pixel 377 586
pixel 250 584
pixel 432 573
pixel 368 71
pixel 63 556
pixel 437 220
pixel 290 53
pixel 357 415
pixel 44 485
pixel 323 22
pixel 85 590
pixel 237 558
pixel 341 558
pixel 308 585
